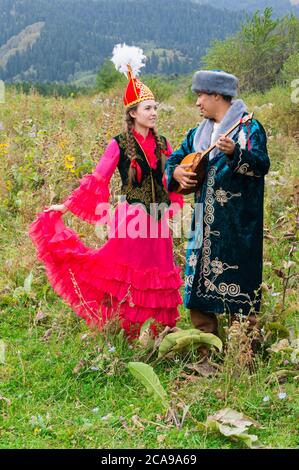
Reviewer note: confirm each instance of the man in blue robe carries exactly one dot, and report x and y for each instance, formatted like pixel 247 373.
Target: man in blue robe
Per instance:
pixel 224 257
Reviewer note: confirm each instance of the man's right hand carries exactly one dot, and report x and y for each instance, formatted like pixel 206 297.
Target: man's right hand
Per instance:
pixel 57 207
pixel 184 177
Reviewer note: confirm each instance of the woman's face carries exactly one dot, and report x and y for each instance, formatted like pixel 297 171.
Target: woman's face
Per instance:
pixel 146 114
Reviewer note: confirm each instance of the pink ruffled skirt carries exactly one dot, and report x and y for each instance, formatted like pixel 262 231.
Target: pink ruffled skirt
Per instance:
pixel 130 278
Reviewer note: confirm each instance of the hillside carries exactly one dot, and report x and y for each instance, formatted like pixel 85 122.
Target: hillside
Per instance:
pixel 280 7
pixel 74 36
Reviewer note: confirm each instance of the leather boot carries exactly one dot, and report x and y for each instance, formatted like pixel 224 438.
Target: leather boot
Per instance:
pixel 206 322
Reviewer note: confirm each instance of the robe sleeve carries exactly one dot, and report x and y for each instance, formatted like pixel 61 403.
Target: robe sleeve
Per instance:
pixel 175 159
pixel 175 198
pixel 250 156
pixel 89 201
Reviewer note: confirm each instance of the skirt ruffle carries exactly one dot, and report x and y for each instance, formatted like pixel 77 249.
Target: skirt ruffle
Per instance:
pixel 107 283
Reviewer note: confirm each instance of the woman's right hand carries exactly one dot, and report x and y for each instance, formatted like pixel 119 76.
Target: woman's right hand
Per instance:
pixel 184 177
pixel 57 207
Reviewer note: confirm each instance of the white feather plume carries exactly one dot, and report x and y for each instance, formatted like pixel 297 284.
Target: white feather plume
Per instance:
pixel 124 55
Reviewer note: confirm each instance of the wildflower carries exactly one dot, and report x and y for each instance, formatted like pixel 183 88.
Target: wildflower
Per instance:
pixel 9 185
pixel 282 395
pixel 112 349
pixel 95 410
pixel 69 163
pixel 3 150
pixel 266 398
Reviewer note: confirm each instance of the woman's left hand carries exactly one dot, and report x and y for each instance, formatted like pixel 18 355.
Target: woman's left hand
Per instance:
pixel 57 207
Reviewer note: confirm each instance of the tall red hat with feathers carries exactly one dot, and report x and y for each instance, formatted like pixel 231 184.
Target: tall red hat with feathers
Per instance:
pixel 129 60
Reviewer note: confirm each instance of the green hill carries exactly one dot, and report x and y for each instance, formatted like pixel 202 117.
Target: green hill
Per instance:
pixel 76 36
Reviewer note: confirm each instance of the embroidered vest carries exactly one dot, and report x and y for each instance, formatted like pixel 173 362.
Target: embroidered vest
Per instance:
pixel 150 189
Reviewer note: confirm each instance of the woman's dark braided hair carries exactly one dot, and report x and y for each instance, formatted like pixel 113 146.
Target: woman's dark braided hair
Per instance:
pixel 132 146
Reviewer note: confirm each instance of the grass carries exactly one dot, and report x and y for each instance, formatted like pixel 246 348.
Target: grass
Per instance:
pixel 61 385
pixel 53 407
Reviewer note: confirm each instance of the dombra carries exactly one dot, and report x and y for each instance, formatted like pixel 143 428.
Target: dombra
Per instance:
pixel 200 160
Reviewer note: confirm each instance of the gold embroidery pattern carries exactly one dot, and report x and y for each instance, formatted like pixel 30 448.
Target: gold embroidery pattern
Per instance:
pixel 216 266
pixel 141 193
pixel 189 280
pixel 144 93
pixel 224 196
pixel 150 191
pixel 123 143
pixel 243 169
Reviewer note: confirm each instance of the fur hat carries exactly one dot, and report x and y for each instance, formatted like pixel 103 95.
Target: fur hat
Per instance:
pixel 215 81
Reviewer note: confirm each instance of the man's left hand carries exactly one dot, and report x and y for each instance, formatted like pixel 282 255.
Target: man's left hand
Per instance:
pixel 225 145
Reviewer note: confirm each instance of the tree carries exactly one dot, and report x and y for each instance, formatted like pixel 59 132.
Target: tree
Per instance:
pixel 290 70
pixel 257 53
pixel 108 77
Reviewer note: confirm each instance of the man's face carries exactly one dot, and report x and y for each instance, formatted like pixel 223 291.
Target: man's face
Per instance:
pixel 208 104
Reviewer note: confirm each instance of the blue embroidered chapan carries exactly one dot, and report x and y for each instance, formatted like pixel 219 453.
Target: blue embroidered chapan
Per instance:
pixel 224 258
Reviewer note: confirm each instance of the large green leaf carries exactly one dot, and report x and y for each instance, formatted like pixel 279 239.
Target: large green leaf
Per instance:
pixel 187 339
pixel 147 376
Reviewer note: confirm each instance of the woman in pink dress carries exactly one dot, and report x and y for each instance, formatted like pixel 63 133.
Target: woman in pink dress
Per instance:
pixel 132 277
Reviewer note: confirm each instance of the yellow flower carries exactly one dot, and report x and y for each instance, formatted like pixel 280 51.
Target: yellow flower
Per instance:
pixel 69 166
pixel 3 149
pixel 8 184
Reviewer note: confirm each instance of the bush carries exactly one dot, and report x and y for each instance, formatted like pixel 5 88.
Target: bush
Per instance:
pixel 108 77
pixel 161 87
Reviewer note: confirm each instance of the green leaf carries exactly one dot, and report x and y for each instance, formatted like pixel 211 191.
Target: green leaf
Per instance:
pixel 188 338
pixel 147 376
